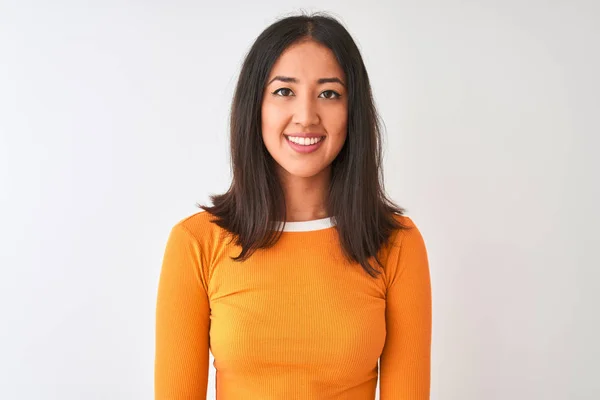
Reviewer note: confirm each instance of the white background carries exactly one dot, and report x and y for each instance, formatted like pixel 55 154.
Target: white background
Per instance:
pixel 114 122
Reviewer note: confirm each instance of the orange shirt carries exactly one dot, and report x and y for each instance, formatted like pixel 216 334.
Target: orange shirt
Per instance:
pixel 296 321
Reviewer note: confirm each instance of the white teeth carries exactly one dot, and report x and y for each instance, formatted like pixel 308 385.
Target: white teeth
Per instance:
pixel 304 141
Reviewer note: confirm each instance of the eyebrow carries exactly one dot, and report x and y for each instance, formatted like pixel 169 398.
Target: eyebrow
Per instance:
pixel 320 81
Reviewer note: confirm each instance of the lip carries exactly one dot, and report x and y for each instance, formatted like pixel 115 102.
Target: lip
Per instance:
pixel 304 149
pixel 308 135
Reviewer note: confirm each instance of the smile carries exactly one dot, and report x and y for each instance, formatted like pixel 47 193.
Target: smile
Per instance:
pixel 303 144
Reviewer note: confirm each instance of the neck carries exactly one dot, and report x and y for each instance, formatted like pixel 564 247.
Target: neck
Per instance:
pixel 305 198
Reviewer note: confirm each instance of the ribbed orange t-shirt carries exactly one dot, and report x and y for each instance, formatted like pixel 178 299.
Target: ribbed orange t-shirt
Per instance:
pixel 295 321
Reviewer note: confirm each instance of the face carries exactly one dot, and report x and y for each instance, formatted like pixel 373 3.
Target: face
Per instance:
pixel 305 110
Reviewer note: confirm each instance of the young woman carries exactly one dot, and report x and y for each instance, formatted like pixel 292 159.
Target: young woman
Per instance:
pixel 303 275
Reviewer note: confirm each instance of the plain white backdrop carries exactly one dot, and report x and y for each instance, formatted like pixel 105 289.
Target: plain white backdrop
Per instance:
pixel 114 122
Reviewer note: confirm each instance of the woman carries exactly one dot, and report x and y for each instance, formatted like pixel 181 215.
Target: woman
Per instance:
pixel 303 275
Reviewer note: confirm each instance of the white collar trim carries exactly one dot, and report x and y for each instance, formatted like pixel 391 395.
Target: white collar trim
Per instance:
pixel 305 226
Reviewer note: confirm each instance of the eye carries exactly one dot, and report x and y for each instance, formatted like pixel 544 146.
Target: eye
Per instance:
pixel 332 94
pixel 283 90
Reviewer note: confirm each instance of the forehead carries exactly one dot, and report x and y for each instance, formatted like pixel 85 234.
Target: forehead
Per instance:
pixel 307 59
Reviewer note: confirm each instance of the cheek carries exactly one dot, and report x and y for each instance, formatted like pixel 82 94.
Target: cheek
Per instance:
pixel 337 123
pixel 272 120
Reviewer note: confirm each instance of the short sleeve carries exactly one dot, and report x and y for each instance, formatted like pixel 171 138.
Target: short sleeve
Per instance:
pixel 182 321
pixel 406 357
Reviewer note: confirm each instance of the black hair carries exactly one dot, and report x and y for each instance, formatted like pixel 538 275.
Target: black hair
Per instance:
pixel 364 216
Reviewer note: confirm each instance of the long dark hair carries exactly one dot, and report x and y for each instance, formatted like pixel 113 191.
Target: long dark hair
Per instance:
pixel 356 201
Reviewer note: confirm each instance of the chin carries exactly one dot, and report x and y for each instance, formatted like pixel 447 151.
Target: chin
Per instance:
pixel 303 172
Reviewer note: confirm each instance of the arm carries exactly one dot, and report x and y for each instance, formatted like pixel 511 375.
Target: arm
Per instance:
pixel 405 360
pixel 182 321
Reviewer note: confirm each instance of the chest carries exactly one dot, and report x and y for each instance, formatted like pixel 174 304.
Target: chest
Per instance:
pixel 309 311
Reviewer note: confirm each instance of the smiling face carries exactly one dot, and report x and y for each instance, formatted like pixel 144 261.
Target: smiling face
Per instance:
pixel 305 110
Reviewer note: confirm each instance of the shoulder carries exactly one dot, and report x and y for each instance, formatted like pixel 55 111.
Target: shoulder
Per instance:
pixel 196 237
pixel 404 220
pixel 200 227
pixel 408 233
pixel 198 223
pixel 192 222
pixel 405 248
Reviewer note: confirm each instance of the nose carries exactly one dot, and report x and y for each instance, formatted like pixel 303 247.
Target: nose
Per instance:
pixel 306 112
